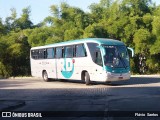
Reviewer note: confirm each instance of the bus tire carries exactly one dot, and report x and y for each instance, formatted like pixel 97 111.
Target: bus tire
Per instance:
pixel 87 78
pixel 45 76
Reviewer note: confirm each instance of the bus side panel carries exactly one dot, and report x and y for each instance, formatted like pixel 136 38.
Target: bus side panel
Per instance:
pixel 49 65
pixel 60 68
pixel 81 64
pixel 71 68
pixel 86 64
pixel 36 68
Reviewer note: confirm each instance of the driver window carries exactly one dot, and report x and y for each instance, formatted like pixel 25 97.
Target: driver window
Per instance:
pixel 98 58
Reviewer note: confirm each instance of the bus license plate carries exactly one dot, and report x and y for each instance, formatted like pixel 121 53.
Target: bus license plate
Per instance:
pixel 120 78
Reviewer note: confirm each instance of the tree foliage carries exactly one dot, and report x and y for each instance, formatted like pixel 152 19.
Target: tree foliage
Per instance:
pixel 135 22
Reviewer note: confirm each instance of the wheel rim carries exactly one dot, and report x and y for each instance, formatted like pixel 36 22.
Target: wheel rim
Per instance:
pixel 45 76
pixel 85 77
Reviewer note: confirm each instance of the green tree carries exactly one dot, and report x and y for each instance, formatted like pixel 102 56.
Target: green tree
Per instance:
pixel 67 22
pixel 5 70
pixel 95 31
pixel 38 36
pixel 24 21
pixel 135 22
pixel 155 49
pixel 2 28
pixel 17 24
pixel 141 40
pixel 17 53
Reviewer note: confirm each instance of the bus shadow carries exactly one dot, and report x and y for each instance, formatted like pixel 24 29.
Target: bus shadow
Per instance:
pixel 132 81
pixel 137 81
pixel 67 81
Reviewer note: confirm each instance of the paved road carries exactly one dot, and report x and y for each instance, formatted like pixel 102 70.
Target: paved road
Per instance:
pixel 140 93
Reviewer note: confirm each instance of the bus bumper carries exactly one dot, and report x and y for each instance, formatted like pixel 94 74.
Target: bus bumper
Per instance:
pixel 117 76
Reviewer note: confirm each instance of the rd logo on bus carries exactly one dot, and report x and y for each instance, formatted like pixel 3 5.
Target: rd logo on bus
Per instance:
pixel 68 68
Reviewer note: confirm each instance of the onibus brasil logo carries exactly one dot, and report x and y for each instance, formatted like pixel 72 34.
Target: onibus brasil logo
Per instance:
pixel 68 67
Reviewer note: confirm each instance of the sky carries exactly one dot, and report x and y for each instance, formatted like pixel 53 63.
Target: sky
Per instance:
pixel 40 9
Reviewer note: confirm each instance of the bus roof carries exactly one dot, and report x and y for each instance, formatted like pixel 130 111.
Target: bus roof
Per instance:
pixel 100 41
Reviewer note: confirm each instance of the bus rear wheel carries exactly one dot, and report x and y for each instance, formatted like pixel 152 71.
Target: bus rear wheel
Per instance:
pixel 45 76
pixel 87 78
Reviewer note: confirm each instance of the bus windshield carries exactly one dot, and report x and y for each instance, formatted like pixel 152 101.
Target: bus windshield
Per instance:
pixel 116 56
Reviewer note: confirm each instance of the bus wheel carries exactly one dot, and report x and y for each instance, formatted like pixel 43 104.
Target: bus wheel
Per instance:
pixel 45 76
pixel 87 78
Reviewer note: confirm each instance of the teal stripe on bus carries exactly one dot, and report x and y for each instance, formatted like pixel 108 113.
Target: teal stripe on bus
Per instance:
pixel 95 40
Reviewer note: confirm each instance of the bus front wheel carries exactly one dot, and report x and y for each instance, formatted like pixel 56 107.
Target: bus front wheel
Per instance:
pixel 87 78
pixel 45 76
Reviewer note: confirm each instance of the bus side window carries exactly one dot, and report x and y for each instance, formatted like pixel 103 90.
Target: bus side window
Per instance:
pixel 50 53
pixel 33 54
pixel 92 48
pixel 69 52
pixel 36 54
pixel 95 53
pixel 59 52
pixel 80 51
pixel 41 54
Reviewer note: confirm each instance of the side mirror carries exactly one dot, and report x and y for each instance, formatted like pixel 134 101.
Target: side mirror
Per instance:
pixel 131 51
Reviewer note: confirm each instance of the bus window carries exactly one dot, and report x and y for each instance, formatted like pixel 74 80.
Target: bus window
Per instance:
pixel 69 51
pixel 59 52
pixel 98 58
pixel 41 54
pixel 92 48
pixel 34 54
pixel 95 53
pixel 80 51
pixel 50 53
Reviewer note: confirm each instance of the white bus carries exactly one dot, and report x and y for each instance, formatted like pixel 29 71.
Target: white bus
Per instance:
pixel 92 59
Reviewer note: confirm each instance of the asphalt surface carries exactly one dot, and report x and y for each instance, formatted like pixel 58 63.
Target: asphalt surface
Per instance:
pixel 69 99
